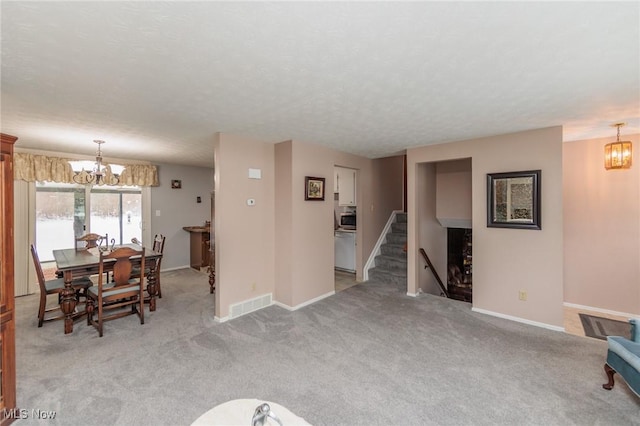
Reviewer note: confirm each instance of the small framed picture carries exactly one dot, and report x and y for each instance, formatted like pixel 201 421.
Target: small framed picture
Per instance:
pixel 313 188
pixel 176 184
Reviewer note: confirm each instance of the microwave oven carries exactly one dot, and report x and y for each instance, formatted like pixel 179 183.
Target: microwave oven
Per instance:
pixel 348 220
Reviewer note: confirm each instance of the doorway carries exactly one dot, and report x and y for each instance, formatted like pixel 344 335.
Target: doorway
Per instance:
pixel 345 227
pixel 67 211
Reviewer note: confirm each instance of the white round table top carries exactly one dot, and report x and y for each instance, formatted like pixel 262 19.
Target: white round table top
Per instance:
pixel 240 412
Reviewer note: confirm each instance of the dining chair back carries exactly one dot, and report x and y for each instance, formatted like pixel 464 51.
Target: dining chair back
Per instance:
pixel 91 240
pixel 55 286
pixel 120 293
pixel 158 247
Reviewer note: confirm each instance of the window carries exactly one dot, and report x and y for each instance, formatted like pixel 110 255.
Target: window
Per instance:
pixel 67 211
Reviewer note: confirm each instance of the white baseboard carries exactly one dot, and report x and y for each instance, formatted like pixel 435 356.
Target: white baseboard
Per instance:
pixel 258 303
pixel 600 310
pixel 175 268
pixel 518 319
pixel 302 305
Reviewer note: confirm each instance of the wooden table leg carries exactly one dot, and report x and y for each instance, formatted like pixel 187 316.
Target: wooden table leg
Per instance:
pixel 151 287
pixel 68 302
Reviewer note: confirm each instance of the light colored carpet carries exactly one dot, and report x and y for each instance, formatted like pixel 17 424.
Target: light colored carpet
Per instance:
pixel 367 355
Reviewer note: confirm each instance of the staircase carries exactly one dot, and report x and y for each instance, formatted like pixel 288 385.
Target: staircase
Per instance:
pixel 391 263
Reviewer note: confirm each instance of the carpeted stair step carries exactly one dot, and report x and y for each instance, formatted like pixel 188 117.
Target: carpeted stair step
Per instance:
pixel 399 228
pixel 394 238
pixel 393 250
pixel 386 276
pixel 392 263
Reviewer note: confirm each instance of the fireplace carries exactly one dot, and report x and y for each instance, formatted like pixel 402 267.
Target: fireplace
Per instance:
pixel 459 264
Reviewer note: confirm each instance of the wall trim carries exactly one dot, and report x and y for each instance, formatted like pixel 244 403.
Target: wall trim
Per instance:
pixel 371 262
pixel 518 319
pixel 175 268
pixel 273 302
pixel 600 310
pixel 303 304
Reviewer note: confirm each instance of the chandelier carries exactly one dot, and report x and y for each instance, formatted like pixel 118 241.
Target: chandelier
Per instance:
pixel 99 175
pixel 618 154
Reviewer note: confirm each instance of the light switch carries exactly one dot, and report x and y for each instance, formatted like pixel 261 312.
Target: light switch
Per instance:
pixel 255 174
pixel 157 212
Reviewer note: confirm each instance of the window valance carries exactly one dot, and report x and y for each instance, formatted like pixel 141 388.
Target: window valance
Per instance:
pixel 42 168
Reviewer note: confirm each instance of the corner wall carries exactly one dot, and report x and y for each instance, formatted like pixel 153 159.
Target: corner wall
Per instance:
pixel 284 245
pixel 505 261
pixel 244 235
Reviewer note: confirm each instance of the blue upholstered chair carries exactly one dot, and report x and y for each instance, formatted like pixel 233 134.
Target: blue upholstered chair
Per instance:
pixel 623 357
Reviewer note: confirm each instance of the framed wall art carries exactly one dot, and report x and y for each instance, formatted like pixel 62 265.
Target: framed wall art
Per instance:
pixel 513 200
pixel 313 188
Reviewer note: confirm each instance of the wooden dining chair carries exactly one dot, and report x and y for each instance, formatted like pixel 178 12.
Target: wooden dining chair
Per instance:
pixel 158 247
pixel 55 286
pixel 92 240
pixel 123 291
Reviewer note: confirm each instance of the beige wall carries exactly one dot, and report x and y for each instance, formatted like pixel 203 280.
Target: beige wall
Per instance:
pixel 453 193
pixel 284 245
pixel 601 228
pixel 432 236
pixel 505 261
pixel 284 194
pixel 244 235
pixel 387 185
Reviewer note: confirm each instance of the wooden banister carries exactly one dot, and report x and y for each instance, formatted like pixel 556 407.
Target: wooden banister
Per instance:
pixel 429 265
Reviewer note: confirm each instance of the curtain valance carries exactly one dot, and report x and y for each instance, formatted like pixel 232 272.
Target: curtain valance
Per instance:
pixel 41 168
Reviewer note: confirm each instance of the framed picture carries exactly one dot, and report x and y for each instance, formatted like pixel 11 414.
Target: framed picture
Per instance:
pixel 513 200
pixel 313 188
pixel 176 184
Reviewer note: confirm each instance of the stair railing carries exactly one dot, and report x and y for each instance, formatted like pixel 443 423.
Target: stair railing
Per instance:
pixel 443 289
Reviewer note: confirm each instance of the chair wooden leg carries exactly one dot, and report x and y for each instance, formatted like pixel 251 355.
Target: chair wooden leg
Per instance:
pixel 41 309
pixel 90 307
pixel 158 286
pixel 100 319
pixel 610 372
pixel 141 306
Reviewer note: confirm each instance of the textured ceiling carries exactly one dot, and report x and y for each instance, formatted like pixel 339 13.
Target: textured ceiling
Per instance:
pixel 157 80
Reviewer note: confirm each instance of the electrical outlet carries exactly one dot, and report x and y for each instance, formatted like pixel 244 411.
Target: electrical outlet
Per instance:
pixel 522 295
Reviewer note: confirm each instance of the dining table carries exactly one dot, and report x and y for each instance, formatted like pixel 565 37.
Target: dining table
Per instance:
pixel 74 263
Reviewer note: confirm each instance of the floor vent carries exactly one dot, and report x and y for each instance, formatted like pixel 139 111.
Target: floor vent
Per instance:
pixel 250 305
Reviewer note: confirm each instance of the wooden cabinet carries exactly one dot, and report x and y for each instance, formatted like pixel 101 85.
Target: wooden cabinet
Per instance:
pixel 200 241
pixel 346 186
pixel 7 315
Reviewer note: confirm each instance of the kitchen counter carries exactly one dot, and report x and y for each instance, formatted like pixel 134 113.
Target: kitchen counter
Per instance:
pixel 345 230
